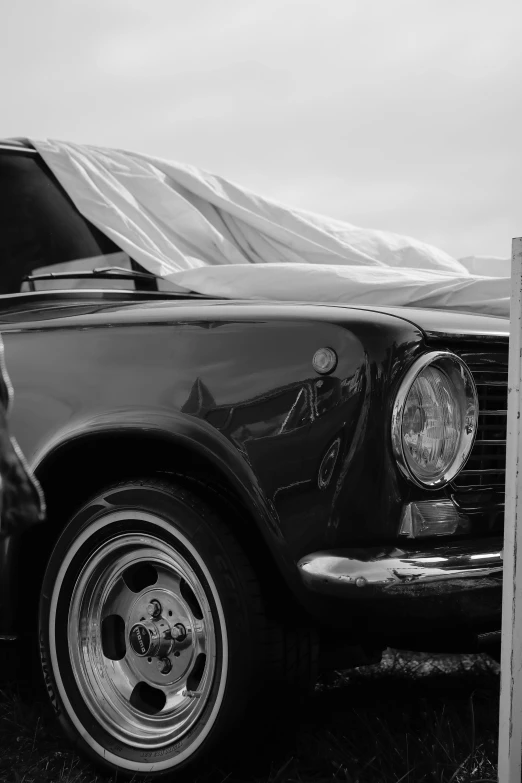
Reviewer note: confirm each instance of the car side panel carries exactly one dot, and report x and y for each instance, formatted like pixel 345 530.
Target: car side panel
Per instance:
pixel 258 404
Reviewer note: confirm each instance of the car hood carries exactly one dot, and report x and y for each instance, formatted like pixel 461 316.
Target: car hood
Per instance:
pixel 448 322
pixel 109 306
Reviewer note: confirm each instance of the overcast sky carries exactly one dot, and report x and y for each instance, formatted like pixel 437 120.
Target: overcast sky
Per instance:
pixel 403 115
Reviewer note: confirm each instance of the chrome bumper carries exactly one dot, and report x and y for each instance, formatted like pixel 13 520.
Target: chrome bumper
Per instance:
pixel 393 570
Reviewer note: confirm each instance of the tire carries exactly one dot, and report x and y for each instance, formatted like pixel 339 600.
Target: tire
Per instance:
pixel 154 642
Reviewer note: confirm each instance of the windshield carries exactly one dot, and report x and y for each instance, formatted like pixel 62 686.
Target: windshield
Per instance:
pixel 41 231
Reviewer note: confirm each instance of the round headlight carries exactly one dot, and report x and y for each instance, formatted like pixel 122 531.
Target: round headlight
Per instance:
pixel 434 419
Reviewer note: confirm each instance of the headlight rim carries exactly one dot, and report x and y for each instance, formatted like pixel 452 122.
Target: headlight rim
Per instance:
pixel 467 438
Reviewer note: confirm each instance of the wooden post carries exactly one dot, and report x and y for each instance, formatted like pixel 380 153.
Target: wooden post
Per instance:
pixel 510 725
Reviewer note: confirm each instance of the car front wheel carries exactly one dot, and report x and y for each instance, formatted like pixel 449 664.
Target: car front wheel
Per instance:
pixel 153 637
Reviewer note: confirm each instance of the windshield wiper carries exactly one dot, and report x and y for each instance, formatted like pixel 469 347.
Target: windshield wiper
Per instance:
pixel 150 280
pixel 102 272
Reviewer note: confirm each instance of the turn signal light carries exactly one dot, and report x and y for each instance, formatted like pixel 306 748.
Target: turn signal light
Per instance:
pixel 324 361
pixel 432 518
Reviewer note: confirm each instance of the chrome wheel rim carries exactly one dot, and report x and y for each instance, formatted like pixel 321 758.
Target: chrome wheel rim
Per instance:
pixel 142 639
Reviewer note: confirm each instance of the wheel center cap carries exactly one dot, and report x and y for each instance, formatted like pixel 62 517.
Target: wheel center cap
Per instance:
pixel 140 639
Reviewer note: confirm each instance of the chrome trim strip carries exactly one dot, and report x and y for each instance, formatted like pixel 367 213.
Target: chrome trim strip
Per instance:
pixel 499 442
pixel 386 569
pixel 21 150
pixel 483 470
pixel 469 413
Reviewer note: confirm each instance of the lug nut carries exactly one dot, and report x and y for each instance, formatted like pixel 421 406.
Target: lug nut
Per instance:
pixel 178 632
pixel 154 608
pixel 164 665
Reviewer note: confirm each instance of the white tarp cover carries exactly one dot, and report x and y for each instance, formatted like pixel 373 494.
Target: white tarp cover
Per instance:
pixel 205 234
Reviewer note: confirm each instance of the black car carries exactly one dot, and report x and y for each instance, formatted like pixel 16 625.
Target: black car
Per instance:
pixel 239 494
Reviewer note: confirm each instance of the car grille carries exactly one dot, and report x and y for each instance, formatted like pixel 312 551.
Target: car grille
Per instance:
pixel 486 466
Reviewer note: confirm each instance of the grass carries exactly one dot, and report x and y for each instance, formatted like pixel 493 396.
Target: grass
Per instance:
pixel 414 718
